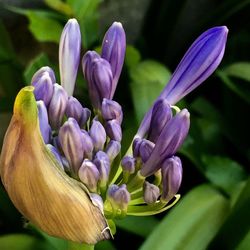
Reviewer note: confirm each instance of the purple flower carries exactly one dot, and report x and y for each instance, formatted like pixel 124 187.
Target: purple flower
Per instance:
pixel 128 164
pixel 74 109
pixel 113 50
pixel 113 130
pixel 57 155
pixel 150 192
pixel 111 110
pixel 145 150
pixel 169 141
pixel 113 149
pixel 98 135
pixel 69 55
pixel 199 62
pixel 37 76
pixel 171 177
pixel 88 145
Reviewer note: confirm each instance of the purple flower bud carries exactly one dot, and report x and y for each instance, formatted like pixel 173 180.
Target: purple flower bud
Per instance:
pixel 113 149
pixel 44 122
pixel 87 61
pixel 161 114
pixel 199 62
pixel 136 147
pixel 57 155
pixel 70 137
pixel 113 130
pixel 57 106
pixel 146 148
pixel 87 144
pixel 113 50
pixel 111 110
pixel 56 143
pixel 101 82
pixel 150 192
pixel 98 135
pixel 37 76
pixel 43 88
pixel 86 113
pixel 171 177
pixel 74 109
pixel 69 55
pixel 169 141
pixel 119 196
pixel 128 164
pixel 89 175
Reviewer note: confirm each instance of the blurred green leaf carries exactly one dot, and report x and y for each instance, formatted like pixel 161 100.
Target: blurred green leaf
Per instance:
pixel 245 243
pixel 148 78
pixel 234 234
pixel 240 70
pixel 141 226
pixel 22 242
pixel 60 6
pixel 192 224
pixel 133 56
pixel 223 172
pixel 38 62
pixel 104 245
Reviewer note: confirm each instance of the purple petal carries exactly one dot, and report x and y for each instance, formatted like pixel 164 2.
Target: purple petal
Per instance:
pixel 98 135
pixel 113 130
pixel 111 110
pixel 36 77
pixel 150 193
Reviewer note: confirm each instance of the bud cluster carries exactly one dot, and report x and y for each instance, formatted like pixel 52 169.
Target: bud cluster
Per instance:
pixel 87 144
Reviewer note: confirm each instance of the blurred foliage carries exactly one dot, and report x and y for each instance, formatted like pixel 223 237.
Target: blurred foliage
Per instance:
pixel 214 210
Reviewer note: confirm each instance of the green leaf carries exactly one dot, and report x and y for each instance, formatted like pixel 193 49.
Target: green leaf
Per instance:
pixel 223 172
pixel 240 70
pixel 60 6
pixel 22 242
pixel 141 226
pixel 192 224
pixel 133 56
pixel 38 62
pixel 148 78
pixel 104 245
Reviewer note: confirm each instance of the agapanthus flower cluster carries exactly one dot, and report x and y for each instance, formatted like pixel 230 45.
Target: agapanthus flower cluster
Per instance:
pixel 87 143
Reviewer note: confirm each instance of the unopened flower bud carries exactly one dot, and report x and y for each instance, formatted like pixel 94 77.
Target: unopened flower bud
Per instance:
pixel 119 196
pixel 146 148
pixel 37 76
pixel 111 110
pixel 113 149
pixel 171 177
pixel 102 163
pixel 113 130
pixel 74 109
pixel 57 106
pixel 136 147
pixel 98 135
pixel 169 141
pixel 161 114
pixel 69 55
pixel 113 50
pixel 70 137
pixel 87 144
pixel 89 175
pixel 150 192
pixel 57 155
pixel 44 122
pixel 86 113
pixel 128 164
pixel 43 88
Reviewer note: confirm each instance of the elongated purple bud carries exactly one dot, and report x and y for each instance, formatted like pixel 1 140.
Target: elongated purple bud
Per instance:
pixel 89 175
pixel 37 76
pixel 113 50
pixel 119 196
pixel 57 106
pixel 44 122
pixel 102 163
pixel 113 130
pixel 150 192
pixel 111 110
pixel 56 153
pixel 171 177
pixel 87 61
pixel 146 148
pixel 88 145
pixel 128 164
pixel 113 149
pixel 199 62
pixel 136 147
pixel 69 55
pixel 98 135
pixel 101 82
pixel 161 114
pixel 86 113
pixel 43 88
pixel 70 137
pixel 169 141
pixel 74 109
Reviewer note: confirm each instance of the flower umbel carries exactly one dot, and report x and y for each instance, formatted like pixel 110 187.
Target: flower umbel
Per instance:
pixel 71 181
